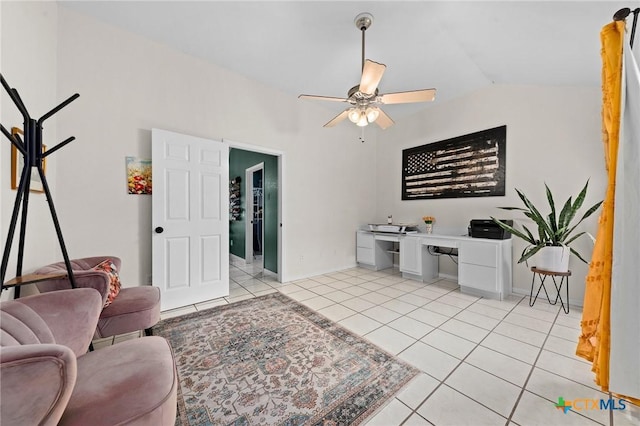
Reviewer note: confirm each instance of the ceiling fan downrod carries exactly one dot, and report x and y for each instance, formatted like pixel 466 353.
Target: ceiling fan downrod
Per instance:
pixel 363 21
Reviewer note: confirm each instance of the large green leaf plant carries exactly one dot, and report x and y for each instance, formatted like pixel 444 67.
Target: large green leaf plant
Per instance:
pixel 553 230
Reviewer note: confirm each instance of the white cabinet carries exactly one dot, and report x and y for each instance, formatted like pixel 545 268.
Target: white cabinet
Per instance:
pixel 484 267
pixel 411 255
pixel 375 250
pixel 415 262
pixel 364 248
pixel 365 256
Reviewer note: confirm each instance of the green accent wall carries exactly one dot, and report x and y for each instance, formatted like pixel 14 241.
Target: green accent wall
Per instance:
pixel 239 161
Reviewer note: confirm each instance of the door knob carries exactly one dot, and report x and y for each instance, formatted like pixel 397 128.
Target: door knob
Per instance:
pixel 159 230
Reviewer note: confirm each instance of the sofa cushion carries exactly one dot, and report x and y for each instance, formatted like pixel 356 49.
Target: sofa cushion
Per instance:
pixel 136 308
pixel 110 268
pixel 136 376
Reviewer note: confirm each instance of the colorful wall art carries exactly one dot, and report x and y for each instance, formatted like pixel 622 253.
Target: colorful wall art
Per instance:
pixel 138 176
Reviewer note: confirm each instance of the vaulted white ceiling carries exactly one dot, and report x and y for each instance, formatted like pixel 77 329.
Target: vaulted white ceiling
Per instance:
pixel 314 47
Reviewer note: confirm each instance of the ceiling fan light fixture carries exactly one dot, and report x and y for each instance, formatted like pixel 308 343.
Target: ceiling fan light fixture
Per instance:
pixel 360 116
pixel 372 114
pixel 362 121
pixel 354 115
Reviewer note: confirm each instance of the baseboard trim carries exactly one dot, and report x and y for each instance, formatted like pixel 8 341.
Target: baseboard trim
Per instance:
pixel 448 277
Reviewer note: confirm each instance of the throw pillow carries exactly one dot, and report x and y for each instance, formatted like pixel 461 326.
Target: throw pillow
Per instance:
pixel 114 280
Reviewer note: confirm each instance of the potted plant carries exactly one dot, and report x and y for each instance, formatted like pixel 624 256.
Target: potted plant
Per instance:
pixel 428 221
pixel 555 232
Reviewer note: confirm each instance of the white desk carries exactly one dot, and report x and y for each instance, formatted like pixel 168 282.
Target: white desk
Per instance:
pixel 484 265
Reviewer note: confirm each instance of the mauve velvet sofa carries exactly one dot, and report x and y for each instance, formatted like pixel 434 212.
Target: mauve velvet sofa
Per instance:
pixel 133 309
pixel 48 378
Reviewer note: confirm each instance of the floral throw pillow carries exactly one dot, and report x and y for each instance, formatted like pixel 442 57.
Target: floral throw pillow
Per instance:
pixel 114 280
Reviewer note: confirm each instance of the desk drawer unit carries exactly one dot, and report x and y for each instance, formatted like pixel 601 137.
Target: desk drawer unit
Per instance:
pixel 478 267
pixel 365 255
pixel 365 248
pixel 479 253
pixel 365 240
pixel 482 278
pixel 375 249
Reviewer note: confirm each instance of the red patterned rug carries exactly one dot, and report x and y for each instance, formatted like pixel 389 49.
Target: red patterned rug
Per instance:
pixel 273 361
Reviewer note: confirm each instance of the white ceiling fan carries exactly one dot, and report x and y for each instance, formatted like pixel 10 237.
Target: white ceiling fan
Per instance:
pixel 364 98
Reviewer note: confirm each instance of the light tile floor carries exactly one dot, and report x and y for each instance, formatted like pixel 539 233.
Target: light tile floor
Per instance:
pixel 483 362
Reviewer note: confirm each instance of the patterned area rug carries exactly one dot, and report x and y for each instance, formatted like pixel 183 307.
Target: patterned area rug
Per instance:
pixel 271 360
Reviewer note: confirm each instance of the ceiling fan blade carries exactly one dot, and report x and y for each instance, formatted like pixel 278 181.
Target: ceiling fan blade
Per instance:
pixel 371 75
pixel 322 98
pixel 338 118
pixel 425 95
pixel 384 120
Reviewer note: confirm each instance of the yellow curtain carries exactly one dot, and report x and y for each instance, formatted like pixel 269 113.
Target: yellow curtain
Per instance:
pixel 594 342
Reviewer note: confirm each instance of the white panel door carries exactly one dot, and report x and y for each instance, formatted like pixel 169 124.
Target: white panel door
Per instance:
pixel 190 218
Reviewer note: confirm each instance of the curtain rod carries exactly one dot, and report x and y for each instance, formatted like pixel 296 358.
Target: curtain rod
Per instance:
pixel 622 14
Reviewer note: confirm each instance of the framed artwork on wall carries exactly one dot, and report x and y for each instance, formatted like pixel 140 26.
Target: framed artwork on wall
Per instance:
pixel 472 165
pixel 139 179
pixel 17 164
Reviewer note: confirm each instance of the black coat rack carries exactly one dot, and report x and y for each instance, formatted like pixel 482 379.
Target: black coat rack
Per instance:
pixel 622 14
pixel 31 150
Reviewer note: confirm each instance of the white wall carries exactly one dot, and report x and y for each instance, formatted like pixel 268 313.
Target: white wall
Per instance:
pixel 129 84
pixel 553 136
pixel 28 57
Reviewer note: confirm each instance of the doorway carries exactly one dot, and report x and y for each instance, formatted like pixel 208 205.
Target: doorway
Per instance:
pixel 243 158
pixel 254 225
